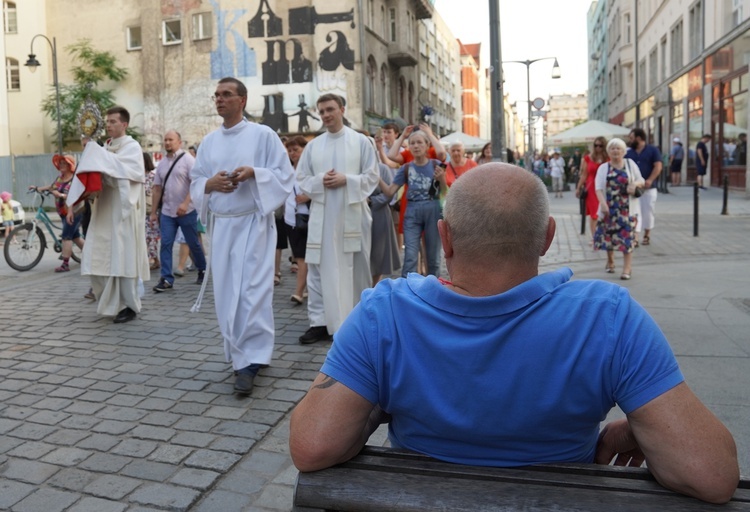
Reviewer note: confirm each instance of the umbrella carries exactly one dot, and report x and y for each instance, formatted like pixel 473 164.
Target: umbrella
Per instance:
pixel 470 142
pixel 587 132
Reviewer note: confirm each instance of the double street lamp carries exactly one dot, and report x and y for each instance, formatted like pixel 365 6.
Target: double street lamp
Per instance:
pixel 32 64
pixel 555 74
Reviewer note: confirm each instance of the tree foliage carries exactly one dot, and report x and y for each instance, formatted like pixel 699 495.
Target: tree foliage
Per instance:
pixel 92 69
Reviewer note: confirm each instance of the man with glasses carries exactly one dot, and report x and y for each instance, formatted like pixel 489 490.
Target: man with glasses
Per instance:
pixel 241 175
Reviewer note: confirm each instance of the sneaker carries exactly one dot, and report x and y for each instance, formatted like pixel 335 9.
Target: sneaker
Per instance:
pixel 178 272
pixel 201 273
pixel 63 268
pixel 315 333
pixel 163 286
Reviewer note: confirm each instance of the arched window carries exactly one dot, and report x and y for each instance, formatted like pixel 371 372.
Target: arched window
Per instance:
pixel 384 107
pixel 12 74
pixel 372 73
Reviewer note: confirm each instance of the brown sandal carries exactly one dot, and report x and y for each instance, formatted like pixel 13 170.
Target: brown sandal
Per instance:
pixel 646 240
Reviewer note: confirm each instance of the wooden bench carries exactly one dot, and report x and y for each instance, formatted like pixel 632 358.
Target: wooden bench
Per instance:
pixel 384 479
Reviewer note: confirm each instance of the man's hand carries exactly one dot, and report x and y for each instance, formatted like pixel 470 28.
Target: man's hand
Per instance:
pixel 616 439
pixel 648 184
pixel 154 217
pixel 221 182
pixel 333 179
pixel 301 198
pixel 182 209
pixel 241 174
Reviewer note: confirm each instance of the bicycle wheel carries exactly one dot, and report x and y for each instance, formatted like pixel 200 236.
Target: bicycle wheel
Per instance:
pixel 24 247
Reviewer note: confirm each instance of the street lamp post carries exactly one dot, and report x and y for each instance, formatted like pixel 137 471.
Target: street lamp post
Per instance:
pixel 555 74
pixel 32 64
pixel 496 93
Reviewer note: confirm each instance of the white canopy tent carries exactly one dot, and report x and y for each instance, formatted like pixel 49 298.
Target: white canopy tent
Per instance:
pixel 470 142
pixel 586 133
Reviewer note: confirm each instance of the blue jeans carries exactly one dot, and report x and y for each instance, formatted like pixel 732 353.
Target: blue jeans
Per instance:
pixel 189 225
pixel 422 216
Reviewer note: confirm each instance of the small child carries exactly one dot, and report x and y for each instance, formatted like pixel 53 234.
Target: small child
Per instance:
pixel 7 212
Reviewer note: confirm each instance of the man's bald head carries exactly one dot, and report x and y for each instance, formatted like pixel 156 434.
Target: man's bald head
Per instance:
pixel 498 211
pixel 172 141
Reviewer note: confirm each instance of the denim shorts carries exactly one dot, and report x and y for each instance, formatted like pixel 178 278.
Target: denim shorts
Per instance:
pixel 70 231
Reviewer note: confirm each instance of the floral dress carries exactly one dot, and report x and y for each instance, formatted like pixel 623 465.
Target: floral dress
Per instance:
pixel 616 230
pixel 153 232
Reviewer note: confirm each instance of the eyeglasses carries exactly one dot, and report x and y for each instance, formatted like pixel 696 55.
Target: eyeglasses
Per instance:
pixel 223 96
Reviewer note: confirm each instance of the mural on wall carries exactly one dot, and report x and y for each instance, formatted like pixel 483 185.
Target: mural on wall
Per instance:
pixel 303 113
pixel 224 61
pixel 337 53
pixel 273 113
pixel 265 23
pixel 278 69
pixel 303 20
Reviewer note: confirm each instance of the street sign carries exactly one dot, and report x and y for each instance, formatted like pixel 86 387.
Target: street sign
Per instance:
pixel 538 103
pixel 539 113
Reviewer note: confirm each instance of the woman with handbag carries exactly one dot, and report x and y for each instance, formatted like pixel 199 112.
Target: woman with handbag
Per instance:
pixel 591 162
pixel 617 184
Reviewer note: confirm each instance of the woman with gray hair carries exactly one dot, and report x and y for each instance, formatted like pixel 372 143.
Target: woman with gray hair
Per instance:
pixel 458 163
pixel 615 185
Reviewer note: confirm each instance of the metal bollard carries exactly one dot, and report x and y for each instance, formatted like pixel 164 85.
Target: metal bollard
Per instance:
pixel 724 209
pixel 582 204
pixel 696 194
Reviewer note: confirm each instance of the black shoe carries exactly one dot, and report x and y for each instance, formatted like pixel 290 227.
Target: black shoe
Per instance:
pixel 313 334
pixel 163 286
pixel 201 273
pixel 126 315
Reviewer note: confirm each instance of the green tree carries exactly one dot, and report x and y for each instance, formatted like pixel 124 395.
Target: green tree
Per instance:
pixel 91 68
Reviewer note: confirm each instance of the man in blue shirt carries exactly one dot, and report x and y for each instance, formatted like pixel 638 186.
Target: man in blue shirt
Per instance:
pixel 490 368
pixel 648 158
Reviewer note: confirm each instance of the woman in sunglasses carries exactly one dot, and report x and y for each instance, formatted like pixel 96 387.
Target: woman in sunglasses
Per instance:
pixel 591 162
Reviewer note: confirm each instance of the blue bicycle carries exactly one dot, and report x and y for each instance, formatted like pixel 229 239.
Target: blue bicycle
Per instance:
pixel 25 245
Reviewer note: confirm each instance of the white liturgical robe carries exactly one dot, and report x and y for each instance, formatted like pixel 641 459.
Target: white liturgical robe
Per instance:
pixel 243 234
pixel 339 229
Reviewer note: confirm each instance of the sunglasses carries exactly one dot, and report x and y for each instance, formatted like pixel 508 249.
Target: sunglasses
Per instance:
pixel 598 145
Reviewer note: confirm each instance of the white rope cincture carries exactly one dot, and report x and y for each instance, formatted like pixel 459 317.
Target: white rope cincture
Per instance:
pixel 209 234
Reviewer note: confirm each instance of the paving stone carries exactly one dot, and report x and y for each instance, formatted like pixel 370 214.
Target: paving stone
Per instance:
pixel 243 482
pixel 29 471
pixel 48 500
pixel 80 382
pixel 100 442
pixel 135 448
pixel 66 456
pixel 162 419
pixel 32 431
pixel 95 396
pixel 264 417
pixel 113 427
pixel 155 433
pixel 197 424
pixel 169 394
pixel 112 486
pixel 84 408
pixel 171 454
pixel 196 478
pixel 89 504
pixel 149 470
pixel 189 409
pixel 197 439
pixel 165 496
pixel 105 463
pixel 31 450
pixel 12 492
pixel 264 462
pixel 6 425
pixel 225 413
pixel 67 392
pixel 121 414
pixel 81 422
pixel 223 500
pixel 9 443
pixel 48 417
pixel 210 459
pixel 156 404
pixel 72 479
pixel 275 497
pixel 238 445
pixel 65 437
pixel 242 429
pixel 125 400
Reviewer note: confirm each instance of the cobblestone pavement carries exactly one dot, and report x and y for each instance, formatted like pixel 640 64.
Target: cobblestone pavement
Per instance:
pixel 140 416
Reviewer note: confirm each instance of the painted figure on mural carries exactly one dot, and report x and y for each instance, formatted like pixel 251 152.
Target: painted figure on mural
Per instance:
pixel 304 114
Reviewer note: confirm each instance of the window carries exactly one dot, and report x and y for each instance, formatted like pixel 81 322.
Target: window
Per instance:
pixel 202 26
pixel 12 74
pixel 171 32
pixel 695 31
pixel 372 72
pixel 675 54
pixel 392 16
pixel 653 66
pixel 135 42
pixel 663 59
pixel 736 13
pixel 627 28
pixel 383 23
pixel 641 77
pixel 10 20
pixel 384 106
pixel 371 13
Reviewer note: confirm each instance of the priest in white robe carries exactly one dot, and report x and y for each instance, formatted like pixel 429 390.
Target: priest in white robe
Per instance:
pixel 338 171
pixel 115 253
pixel 241 175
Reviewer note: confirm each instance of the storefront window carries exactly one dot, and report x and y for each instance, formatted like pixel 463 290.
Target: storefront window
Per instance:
pixel 695 126
pixel 728 59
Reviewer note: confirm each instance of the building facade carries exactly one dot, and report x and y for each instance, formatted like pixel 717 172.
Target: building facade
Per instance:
pixel 682 67
pixel 287 52
pixel 565 111
pixel 597 46
pixel 470 88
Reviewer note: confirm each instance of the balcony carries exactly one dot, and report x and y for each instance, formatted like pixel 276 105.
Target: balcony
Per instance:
pixel 400 55
pixel 423 9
